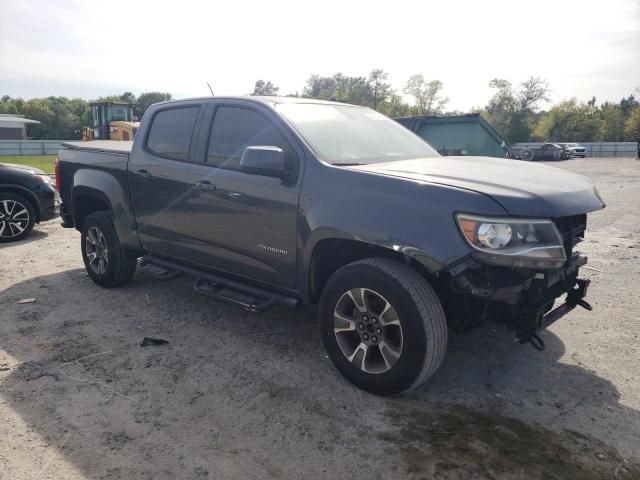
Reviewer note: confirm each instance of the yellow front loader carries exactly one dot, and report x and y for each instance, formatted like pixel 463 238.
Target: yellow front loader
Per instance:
pixel 111 121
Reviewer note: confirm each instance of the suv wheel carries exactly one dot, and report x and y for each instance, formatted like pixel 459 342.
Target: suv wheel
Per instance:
pixel 107 261
pixel 17 217
pixel 383 326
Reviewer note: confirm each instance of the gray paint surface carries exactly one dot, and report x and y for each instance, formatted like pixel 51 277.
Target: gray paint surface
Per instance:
pixel 406 206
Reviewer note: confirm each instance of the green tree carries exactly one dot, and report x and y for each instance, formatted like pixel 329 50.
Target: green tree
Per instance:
pixel 628 104
pixel 145 100
pixel 504 100
pixel 395 107
pixel 513 111
pixel 339 88
pixel 319 87
pixel 426 94
pixel 569 121
pixel 128 97
pixel 380 89
pixel 12 106
pixel 632 126
pixel 612 119
pixel 59 117
pixel 263 88
pixel 532 91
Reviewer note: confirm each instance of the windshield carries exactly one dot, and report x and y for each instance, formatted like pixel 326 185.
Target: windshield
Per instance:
pixel 118 112
pixel 348 135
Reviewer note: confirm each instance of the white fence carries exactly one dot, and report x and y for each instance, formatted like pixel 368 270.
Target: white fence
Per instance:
pixel 30 147
pixel 51 147
pixel 599 149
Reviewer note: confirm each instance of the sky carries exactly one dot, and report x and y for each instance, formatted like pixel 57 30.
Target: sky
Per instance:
pixel 87 49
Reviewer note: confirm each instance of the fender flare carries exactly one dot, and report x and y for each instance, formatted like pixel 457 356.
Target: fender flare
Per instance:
pixel 106 188
pixel 317 237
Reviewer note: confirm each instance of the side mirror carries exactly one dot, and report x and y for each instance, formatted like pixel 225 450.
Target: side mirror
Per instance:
pixel 263 160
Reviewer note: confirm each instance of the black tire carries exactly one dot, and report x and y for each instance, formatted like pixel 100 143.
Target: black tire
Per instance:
pixel 10 231
pixel 420 316
pixel 527 155
pixel 120 264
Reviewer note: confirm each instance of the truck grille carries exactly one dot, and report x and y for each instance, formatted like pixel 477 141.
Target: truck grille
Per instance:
pixel 572 230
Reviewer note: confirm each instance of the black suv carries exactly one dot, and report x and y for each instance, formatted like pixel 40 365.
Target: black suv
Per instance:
pixel 26 198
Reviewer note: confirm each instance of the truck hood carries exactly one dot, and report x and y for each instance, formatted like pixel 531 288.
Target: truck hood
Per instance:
pixel 22 168
pixel 521 188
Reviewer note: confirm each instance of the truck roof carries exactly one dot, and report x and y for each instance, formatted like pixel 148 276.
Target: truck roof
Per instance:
pixel 270 100
pixel 110 146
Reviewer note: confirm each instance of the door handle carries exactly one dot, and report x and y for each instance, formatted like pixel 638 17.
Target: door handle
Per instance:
pixel 205 186
pixel 142 174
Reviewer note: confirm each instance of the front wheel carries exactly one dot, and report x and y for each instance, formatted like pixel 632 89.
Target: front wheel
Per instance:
pixel 383 326
pixel 107 261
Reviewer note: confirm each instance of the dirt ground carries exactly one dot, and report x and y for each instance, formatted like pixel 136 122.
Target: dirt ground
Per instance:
pixel 238 395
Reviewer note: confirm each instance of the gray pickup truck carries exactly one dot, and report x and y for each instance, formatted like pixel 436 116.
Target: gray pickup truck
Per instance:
pixel 269 200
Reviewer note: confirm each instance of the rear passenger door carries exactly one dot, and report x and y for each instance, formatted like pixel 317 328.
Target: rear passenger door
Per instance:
pixel 247 223
pixel 161 180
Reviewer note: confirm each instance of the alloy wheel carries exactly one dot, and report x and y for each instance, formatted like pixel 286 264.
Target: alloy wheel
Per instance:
pixel 96 250
pixel 14 218
pixel 368 330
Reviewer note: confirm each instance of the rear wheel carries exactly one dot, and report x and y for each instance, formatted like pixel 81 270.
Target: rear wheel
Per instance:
pixel 17 217
pixel 107 261
pixel 383 326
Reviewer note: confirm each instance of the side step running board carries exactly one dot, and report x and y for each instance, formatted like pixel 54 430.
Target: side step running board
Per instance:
pixel 221 292
pixel 156 271
pixel 249 297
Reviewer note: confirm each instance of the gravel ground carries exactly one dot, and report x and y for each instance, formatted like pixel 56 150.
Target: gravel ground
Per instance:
pixel 238 395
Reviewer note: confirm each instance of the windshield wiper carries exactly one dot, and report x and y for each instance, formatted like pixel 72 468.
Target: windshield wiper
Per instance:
pixel 348 164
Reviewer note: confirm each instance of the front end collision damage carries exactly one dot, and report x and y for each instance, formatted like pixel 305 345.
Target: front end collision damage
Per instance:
pixel 522 299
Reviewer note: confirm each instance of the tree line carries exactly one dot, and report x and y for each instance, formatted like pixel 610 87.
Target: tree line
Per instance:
pixel 520 113
pixel 516 112
pixel 62 118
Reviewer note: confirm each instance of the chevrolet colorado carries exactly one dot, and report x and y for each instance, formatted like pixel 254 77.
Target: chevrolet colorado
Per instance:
pixel 269 200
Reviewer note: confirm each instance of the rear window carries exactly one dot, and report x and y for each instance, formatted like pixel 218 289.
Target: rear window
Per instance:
pixel 171 131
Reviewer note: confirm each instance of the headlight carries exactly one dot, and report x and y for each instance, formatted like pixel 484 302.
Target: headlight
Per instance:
pixel 43 179
pixel 514 242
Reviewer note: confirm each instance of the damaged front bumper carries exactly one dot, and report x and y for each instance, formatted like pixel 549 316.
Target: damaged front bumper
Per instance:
pixel 523 299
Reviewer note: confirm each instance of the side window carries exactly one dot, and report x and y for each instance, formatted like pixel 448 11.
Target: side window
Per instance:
pixel 234 129
pixel 171 130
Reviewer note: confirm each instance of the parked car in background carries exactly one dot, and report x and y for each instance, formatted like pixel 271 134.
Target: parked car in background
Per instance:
pixel 574 149
pixel 546 151
pixel 26 198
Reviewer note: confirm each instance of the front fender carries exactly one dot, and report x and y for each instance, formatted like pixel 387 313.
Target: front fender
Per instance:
pixel 411 217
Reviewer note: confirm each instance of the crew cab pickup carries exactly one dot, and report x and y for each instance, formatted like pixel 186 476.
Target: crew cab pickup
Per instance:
pixel 269 200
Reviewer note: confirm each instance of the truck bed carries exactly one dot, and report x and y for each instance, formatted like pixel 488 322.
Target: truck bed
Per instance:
pixel 109 146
